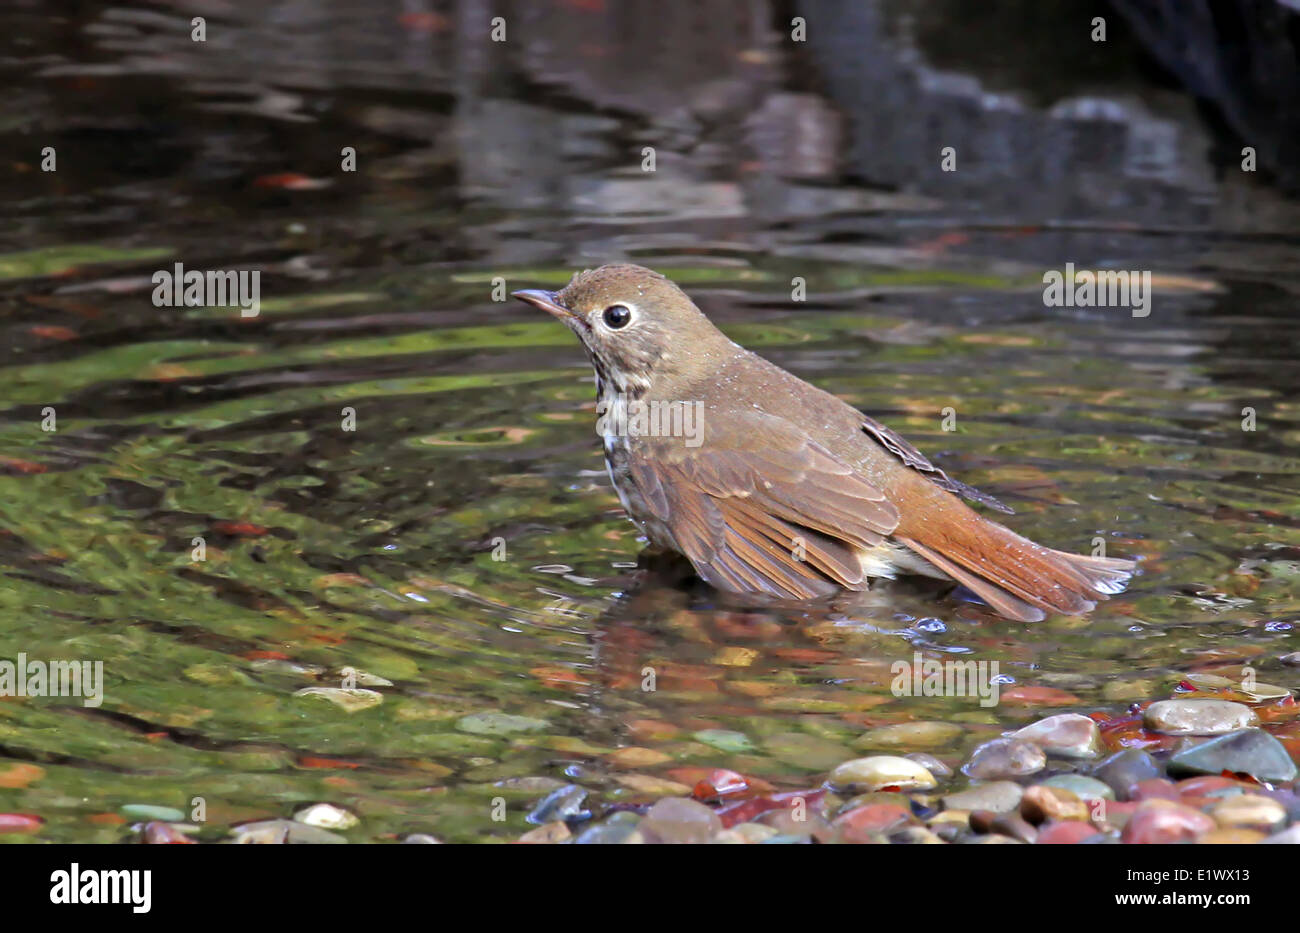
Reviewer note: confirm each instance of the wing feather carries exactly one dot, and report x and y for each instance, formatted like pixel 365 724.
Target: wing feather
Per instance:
pixel 772 512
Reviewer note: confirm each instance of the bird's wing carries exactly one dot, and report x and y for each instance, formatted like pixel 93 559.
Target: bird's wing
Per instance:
pixel 771 511
pixel 900 448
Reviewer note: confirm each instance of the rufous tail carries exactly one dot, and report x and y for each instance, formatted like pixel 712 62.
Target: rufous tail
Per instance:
pixel 1020 579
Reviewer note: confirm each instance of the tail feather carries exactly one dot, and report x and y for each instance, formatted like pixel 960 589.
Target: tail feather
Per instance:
pixel 1018 578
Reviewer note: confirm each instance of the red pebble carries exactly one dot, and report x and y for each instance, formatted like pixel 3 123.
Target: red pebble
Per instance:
pixel 748 810
pixel 1160 822
pixel 238 529
pixel 164 834
pixel 857 825
pixel 1037 696
pixel 1155 788
pixel 1064 833
pixel 722 784
pixel 53 332
pixel 20 823
pixel 1204 785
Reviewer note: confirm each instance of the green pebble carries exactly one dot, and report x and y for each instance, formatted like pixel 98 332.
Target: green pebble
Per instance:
pixel 145 811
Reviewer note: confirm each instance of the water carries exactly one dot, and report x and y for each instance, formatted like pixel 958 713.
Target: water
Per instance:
pixel 373 548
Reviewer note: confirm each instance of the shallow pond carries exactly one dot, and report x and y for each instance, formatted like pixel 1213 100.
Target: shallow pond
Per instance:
pixel 461 549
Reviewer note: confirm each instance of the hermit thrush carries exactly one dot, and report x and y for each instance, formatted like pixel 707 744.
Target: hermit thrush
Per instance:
pixel 771 486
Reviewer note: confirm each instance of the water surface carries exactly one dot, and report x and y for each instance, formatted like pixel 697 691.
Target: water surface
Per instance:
pixel 375 548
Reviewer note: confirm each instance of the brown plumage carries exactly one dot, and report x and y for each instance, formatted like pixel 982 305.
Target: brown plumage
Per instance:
pixel 785 490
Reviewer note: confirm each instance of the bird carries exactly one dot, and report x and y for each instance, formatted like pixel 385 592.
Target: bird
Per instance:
pixel 778 489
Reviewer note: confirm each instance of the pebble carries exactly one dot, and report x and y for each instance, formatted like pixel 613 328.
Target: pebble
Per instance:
pixel 607 834
pixel 1066 735
pixel 653 786
pixel 677 820
pixel 754 832
pixel 924 734
pixel 930 763
pixel 1111 815
pixel 955 816
pixel 805 751
pixel 1067 833
pixel 725 741
pixel 498 724
pixel 284 831
pixel 1249 811
pixel 422 839
pixel 156 833
pixel 637 757
pixel 997 796
pixel 1011 825
pixel 1082 786
pixel 364 678
pixel 721 784
pixel 1209 785
pixel 350 701
pixel 1162 821
pixel 20 823
pixel 1123 770
pixel 1041 804
pixel 1156 788
pixel 1198 717
pixel 1005 758
pixel 950 832
pixel 878 771
pixel 531 784
pixel 1101 838
pixel 729 837
pixel 144 811
pixel 885 818
pixel 549 833
pixel 1117 691
pixel 1255 691
pixel 915 835
pixel 1250 751
pixel 791 823
pixel 564 803
pixel 326 816
pixel 1232 837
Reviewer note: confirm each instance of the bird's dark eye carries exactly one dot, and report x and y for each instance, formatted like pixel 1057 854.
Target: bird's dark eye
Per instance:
pixel 617 316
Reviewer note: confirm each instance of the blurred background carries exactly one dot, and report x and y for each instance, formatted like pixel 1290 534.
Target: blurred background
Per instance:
pixel 523 159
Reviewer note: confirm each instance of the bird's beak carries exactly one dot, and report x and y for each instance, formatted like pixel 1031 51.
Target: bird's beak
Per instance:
pixel 547 301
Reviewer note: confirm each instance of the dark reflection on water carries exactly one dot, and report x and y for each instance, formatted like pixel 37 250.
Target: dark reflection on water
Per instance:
pixel 374 549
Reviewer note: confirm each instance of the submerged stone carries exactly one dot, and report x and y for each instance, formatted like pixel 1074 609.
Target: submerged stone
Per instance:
pixel 284 831
pixel 498 724
pixel 1083 787
pixel 996 796
pixel 1198 717
pixel 1066 735
pixel 1005 758
pixel 326 816
pixel 1250 751
pixel 676 820
pixel 1123 770
pixel 878 771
